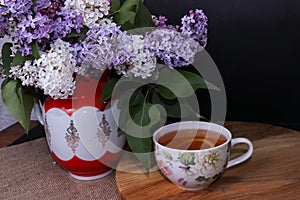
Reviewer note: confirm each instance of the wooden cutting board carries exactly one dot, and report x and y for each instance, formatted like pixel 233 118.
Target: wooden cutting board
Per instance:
pixel 273 171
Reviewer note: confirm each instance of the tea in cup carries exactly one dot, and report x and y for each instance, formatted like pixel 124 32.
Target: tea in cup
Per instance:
pixel 194 154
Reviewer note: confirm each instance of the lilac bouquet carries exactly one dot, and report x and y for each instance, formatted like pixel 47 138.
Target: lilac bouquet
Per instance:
pixel 46 43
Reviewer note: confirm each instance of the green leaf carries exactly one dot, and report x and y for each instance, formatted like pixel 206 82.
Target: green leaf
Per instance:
pixel 6 57
pixel 82 32
pixel 139 145
pixel 142 148
pixel 19 59
pixel 125 16
pixel 18 101
pixel 123 118
pixel 108 89
pixel 130 97
pixel 35 50
pixel 123 99
pixel 175 82
pixel 114 5
pixel 172 107
pixel 138 117
pixel 175 108
pixel 139 123
pixel 165 92
pixel 143 17
pixel 137 97
pixel 197 82
pixel 133 14
pixel 140 113
pixel 126 20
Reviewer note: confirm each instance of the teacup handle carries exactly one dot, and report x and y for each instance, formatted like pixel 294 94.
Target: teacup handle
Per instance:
pixel 243 157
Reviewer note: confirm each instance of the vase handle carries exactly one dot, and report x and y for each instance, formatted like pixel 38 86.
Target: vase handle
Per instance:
pixel 38 108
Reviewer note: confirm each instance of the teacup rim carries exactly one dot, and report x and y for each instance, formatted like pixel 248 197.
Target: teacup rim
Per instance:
pixel 156 132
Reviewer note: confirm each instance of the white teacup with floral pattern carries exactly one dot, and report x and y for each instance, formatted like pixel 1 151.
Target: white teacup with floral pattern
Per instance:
pixel 197 169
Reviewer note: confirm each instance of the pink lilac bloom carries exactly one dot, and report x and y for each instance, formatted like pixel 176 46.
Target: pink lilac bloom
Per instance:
pixel 195 25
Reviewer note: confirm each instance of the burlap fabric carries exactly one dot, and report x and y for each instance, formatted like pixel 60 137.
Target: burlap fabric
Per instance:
pixel 27 171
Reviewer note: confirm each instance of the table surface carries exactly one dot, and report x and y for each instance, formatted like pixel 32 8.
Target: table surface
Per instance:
pixel 13 133
pixel 27 171
pixel 272 172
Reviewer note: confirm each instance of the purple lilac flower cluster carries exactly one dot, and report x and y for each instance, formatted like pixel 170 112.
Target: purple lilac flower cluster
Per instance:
pixel 106 46
pixel 67 20
pixel 161 22
pixel 48 22
pixel 12 9
pixel 3 24
pixel 48 7
pixel 195 26
pixel 172 47
pixel 18 8
pixel 77 52
pixel 31 28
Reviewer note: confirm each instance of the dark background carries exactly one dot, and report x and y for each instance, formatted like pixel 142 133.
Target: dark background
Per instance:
pixel 255 44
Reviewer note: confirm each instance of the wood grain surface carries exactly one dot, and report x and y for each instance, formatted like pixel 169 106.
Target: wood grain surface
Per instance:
pixel 14 132
pixel 273 171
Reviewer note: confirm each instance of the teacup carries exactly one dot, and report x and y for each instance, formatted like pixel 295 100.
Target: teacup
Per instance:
pixel 190 168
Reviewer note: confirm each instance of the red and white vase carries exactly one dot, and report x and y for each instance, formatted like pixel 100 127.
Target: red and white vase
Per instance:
pixel 82 135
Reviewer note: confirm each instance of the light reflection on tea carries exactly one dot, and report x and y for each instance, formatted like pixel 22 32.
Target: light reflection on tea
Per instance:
pixel 192 139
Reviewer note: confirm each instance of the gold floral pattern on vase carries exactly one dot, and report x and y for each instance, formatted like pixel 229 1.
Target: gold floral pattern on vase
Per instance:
pixel 72 137
pixel 104 131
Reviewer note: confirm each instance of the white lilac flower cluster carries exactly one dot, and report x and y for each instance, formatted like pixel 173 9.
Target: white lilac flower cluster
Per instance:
pixel 143 62
pixel 53 72
pixel 91 10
